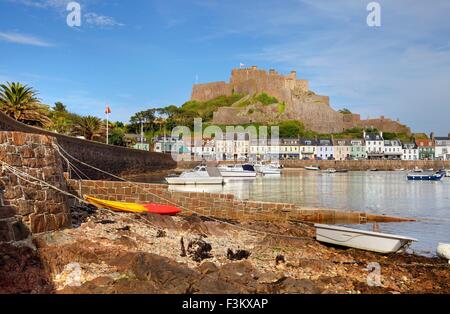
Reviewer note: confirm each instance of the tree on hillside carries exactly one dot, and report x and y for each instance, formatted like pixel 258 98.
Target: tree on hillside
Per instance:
pixel 91 128
pixel 345 111
pixel 21 103
pixel 146 117
pixel 291 129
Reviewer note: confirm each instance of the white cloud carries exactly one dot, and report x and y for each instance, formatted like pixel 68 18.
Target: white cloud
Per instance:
pixel 100 20
pixel 24 39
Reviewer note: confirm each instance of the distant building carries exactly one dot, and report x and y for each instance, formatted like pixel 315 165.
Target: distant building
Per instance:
pixel 307 148
pixel 410 151
pixel 289 148
pixel 426 149
pixel 393 149
pixel 168 144
pixel 134 141
pixel 234 148
pixel 358 150
pixel 325 149
pixel 342 149
pixel 374 143
pixel 442 148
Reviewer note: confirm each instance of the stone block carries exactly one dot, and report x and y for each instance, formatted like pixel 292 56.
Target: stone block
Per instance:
pixel 7 212
pixel 5 232
pixel 38 223
pixel 20 231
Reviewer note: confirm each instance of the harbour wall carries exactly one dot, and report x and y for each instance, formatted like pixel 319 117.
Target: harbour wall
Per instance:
pixel 27 207
pixel 220 206
pixel 353 165
pixel 113 159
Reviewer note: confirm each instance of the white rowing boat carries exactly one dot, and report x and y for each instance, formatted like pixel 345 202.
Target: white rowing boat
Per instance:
pixel 443 251
pixel 361 239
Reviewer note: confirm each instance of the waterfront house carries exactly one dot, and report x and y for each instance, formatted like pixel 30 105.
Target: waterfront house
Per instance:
pixel 135 141
pixel 289 148
pixel 236 147
pixel 169 144
pixel 265 149
pixel 307 148
pixel 325 149
pixel 410 151
pixel 358 150
pixel 342 149
pixel 426 149
pixel 393 149
pixel 442 148
pixel 374 143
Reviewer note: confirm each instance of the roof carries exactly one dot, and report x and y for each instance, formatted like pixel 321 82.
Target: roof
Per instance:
pixel 342 142
pixel 308 142
pixel 373 137
pixel 289 141
pixel 392 143
pixel 325 142
pixel 424 142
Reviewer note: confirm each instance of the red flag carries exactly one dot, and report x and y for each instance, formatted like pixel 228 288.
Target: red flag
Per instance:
pixel 108 110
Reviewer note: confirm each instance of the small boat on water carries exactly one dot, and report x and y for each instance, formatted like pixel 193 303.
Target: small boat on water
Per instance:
pixel 426 176
pixel 399 169
pixel 361 239
pixel 341 171
pixel 373 169
pixel 417 170
pixel 330 170
pixel 312 168
pixel 273 168
pixel 200 175
pixel 447 173
pixel 443 251
pixel 237 171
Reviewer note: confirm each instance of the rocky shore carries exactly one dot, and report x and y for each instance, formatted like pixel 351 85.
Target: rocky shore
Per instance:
pixel 107 252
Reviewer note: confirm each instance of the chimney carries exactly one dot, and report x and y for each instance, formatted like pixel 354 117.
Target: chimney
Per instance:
pixel 432 135
pixel 293 74
pixel 254 67
pixel 448 135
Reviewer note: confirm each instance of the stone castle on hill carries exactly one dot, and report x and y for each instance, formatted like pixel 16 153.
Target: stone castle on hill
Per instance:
pixel 300 103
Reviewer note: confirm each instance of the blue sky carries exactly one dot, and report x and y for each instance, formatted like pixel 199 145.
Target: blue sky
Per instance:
pixel 140 54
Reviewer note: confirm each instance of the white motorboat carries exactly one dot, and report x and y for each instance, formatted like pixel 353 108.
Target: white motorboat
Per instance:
pixel 361 239
pixel 418 170
pixel 268 169
pixel 237 171
pixel 447 173
pixel 200 175
pixel 400 169
pixel 330 170
pixel 443 251
pixel 313 168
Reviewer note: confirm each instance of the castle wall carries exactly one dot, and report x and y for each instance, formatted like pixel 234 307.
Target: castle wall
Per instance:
pixel 205 92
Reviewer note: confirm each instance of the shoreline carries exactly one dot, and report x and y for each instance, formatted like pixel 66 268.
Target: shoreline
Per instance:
pixel 126 253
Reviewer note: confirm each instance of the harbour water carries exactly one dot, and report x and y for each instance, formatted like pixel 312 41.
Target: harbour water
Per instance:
pixel 386 193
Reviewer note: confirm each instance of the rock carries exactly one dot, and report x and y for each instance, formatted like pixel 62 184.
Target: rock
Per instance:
pixel 199 250
pixel 239 255
pixel 279 259
pixel 161 234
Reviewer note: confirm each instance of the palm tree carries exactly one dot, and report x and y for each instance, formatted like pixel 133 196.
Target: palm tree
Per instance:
pixel 21 103
pixel 91 128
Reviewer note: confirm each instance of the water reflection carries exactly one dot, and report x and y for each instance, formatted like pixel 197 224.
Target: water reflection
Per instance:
pixel 386 193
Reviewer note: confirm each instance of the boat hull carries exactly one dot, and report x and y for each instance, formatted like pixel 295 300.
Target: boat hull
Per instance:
pixel 425 177
pixel 360 239
pixel 195 181
pixel 237 174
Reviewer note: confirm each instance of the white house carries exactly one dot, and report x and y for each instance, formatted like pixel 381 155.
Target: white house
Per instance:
pixel 393 149
pixel 325 149
pixel 410 151
pixel 307 149
pixel 374 145
pixel 442 148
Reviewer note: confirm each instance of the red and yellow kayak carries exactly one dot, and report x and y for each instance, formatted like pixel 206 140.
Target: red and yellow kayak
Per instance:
pixel 133 207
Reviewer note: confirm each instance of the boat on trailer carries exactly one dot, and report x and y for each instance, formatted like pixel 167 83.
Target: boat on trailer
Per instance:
pixel 362 239
pixel 426 176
